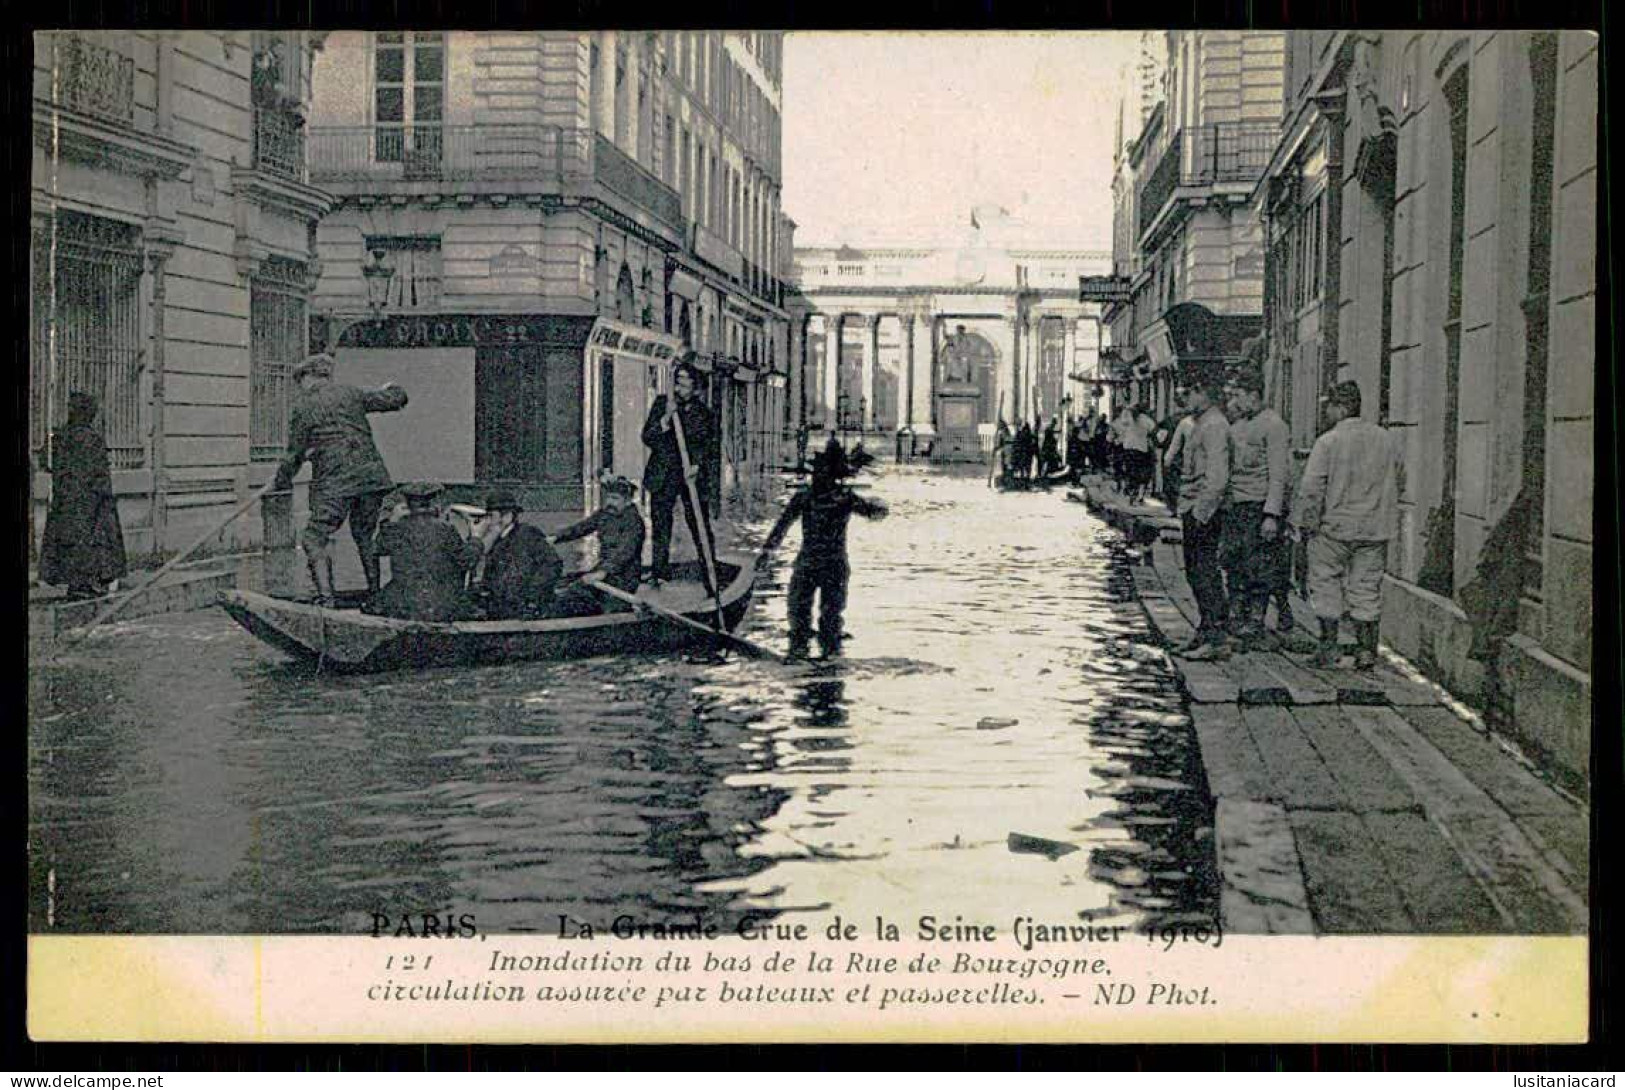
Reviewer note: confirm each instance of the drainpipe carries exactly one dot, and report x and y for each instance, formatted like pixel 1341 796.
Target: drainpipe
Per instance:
pixel 157 258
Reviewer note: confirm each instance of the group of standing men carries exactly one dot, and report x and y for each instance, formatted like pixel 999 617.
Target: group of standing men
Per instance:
pixel 1239 512
pixel 503 568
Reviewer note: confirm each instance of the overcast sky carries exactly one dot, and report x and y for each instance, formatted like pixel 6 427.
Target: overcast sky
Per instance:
pixel 897 135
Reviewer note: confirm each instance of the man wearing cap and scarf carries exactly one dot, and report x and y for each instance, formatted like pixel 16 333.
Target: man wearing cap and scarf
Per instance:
pixel 429 563
pixel 620 551
pixel 328 427
pixel 521 566
pixel 663 474
pixel 824 508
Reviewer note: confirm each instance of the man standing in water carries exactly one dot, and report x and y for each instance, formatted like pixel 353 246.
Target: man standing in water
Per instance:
pixel 328 427
pixel 824 507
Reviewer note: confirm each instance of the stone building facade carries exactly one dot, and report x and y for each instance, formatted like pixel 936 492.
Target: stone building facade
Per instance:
pixel 1431 211
pixel 1188 255
pixel 928 344
pixel 171 260
pixel 519 186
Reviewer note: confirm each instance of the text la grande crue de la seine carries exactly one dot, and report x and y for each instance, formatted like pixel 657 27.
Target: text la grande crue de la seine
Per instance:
pixel 1027 931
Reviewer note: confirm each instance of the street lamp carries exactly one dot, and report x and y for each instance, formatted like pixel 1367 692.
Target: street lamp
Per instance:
pixel 377 276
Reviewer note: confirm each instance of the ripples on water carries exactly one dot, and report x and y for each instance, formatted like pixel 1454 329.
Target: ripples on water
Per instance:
pixel 1000 679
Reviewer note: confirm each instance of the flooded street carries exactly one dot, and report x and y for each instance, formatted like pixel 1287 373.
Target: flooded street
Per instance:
pixel 1000 679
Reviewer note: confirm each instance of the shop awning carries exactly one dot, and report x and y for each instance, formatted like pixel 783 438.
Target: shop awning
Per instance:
pixel 1189 333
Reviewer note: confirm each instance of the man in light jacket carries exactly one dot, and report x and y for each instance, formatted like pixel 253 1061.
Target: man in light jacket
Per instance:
pixel 1348 502
pixel 1204 475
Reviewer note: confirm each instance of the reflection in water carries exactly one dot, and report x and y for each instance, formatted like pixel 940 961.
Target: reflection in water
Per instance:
pixel 999 680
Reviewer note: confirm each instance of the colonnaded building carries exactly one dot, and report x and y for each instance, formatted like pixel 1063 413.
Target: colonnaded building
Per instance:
pixel 928 342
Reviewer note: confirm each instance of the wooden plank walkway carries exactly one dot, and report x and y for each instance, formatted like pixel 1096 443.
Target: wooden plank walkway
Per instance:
pixel 1357 802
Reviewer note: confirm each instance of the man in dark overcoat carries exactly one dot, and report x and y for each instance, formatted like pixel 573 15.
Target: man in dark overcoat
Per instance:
pixel 429 563
pixel 348 480
pixel 521 567
pixel 663 473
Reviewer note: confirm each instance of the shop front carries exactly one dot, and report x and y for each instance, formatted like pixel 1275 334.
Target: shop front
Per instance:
pixel 537 403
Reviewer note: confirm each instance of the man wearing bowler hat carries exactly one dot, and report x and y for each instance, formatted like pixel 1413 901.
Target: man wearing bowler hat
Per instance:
pixel 429 562
pixel 348 480
pixel 663 474
pixel 521 567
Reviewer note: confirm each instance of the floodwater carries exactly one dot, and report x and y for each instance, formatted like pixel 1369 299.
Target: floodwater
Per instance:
pixel 999 680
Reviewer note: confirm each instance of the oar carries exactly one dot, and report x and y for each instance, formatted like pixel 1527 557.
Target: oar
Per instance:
pixel 112 609
pixel 701 517
pixel 755 650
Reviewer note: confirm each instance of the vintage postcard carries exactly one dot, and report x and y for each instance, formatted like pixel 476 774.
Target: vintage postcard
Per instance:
pixel 755 536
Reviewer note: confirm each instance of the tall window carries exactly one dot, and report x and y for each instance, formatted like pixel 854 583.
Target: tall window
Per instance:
pixel 669 153
pixel 685 181
pixel 623 113
pixel 1441 572
pixel 595 99
pixel 277 330
pixel 409 71
pixel 85 290
pixel 1537 298
pixel 416 261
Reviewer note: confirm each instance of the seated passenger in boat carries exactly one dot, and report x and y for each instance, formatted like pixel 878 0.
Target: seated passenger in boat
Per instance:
pixel 620 532
pixel 521 568
pixel 429 563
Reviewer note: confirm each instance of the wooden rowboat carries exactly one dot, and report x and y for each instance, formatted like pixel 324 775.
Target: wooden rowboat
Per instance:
pixel 347 640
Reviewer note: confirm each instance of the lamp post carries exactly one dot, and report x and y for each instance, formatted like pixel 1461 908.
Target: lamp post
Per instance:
pixel 376 275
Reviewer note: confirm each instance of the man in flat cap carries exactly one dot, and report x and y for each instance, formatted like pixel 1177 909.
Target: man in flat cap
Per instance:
pixel 521 567
pixel 328 427
pixel 429 562
pixel 1255 506
pixel 620 550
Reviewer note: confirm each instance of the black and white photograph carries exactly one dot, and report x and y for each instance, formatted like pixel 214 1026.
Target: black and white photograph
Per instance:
pixel 1089 507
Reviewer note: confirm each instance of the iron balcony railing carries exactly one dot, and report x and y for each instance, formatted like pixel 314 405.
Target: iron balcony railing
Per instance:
pixel 279 143
pixel 93 79
pixel 620 173
pixel 418 152
pixel 1232 151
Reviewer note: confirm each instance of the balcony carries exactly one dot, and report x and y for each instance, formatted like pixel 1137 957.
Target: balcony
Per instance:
pixel 368 156
pixel 1228 153
pixel 96 80
pixel 620 173
pixel 279 143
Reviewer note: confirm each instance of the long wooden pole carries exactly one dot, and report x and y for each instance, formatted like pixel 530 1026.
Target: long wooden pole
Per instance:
pixel 701 519
pixel 116 607
pixel 677 618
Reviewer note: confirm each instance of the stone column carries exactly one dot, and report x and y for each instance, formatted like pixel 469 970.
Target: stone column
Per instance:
pixel 906 320
pixel 933 369
pixel 1009 380
pixel 871 364
pixel 1069 347
pixel 803 361
pixel 832 370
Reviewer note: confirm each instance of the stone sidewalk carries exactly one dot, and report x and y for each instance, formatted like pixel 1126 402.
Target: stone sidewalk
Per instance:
pixel 1352 803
